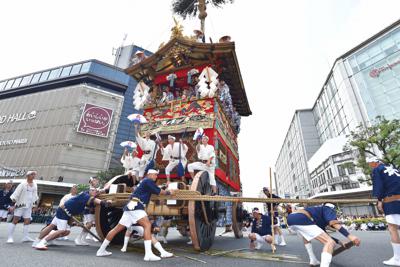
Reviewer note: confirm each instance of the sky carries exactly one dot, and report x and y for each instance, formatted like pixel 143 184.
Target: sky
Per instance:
pixel 285 50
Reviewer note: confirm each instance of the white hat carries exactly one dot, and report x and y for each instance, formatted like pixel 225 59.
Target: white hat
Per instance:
pixel 30 173
pixel 139 52
pixel 330 205
pixel 9 181
pixel 206 137
pixel 152 171
pixel 372 159
pixel 171 137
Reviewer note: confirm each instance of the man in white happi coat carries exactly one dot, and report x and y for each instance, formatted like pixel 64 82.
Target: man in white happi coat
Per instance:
pixel 24 198
pixel 131 162
pixel 148 147
pixel 171 152
pixel 206 155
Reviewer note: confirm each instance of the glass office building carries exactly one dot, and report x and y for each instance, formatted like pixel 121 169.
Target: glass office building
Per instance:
pixel 362 84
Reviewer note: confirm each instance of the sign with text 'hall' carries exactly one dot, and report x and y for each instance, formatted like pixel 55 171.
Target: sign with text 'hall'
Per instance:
pixel 95 120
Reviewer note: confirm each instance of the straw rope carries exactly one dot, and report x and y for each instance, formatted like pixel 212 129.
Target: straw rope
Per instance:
pixel 196 196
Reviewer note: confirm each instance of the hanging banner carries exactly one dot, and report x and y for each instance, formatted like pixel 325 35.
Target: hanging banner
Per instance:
pixel 95 120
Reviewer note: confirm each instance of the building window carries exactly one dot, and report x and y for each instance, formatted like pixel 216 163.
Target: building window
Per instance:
pixel 65 72
pixel 75 69
pixel 35 78
pixel 341 170
pixel 26 80
pixel 351 169
pixel 44 76
pixel 54 74
pixel 85 67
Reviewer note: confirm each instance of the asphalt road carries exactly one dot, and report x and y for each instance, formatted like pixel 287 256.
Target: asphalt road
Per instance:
pixel 375 248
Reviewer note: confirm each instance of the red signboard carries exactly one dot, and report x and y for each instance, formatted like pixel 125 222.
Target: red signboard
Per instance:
pixel 95 120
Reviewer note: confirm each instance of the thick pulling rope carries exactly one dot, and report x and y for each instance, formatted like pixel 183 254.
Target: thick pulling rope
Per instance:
pixel 195 196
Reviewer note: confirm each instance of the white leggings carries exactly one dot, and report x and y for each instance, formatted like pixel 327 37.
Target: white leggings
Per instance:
pixel 200 166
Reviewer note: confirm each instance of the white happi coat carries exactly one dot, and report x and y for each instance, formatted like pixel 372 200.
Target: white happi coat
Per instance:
pixel 205 153
pixel 146 145
pixel 130 163
pixel 171 153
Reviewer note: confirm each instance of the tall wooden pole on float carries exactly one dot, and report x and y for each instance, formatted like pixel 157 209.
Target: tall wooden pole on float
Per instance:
pixel 272 212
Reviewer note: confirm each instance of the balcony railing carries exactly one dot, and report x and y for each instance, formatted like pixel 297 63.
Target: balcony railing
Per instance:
pixel 338 180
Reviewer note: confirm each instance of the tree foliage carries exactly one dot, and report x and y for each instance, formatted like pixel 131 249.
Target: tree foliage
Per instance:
pixel 381 139
pixel 105 176
pixel 188 8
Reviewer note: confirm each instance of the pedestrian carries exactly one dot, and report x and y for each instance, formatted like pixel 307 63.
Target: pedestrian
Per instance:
pixel 134 213
pixel 72 207
pixel 386 188
pixel 311 222
pixel 23 199
pixel 5 200
pixel 261 232
pixel 206 155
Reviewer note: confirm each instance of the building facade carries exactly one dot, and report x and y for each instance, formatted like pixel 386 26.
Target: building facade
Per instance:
pixel 62 122
pixel 362 84
pixel 291 170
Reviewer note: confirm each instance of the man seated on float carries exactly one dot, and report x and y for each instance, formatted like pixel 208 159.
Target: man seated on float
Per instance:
pixel 130 161
pixel 148 147
pixel 311 222
pixel 72 207
pixel 174 152
pixel 261 232
pixel 386 188
pixel 206 155
pixel 134 213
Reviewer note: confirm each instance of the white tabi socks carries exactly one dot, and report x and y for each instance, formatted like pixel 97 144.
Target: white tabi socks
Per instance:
pixel 11 228
pixel 164 254
pixel 326 259
pixel 126 240
pixel 395 260
pixel 149 255
pixel 311 255
pixel 102 250
pixel 26 237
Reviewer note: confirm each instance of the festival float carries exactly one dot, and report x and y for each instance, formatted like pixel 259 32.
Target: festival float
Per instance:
pixel 208 96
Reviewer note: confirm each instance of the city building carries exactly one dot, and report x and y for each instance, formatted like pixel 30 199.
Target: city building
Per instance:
pixel 301 142
pixel 62 122
pixel 362 84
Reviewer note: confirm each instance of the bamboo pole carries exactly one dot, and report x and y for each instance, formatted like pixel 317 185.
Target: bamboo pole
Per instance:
pixel 272 212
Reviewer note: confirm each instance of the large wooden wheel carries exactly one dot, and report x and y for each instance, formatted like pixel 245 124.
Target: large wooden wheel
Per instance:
pixel 237 219
pixel 203 216
pixel 108 218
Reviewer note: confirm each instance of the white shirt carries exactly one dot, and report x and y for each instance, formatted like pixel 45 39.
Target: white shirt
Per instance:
pixel 173 151
pixel 130 163
pixel 206 152
pixel 146 144
pixel 29 194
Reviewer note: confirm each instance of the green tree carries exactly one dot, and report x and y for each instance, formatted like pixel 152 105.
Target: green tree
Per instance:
pixel 105 176
pixel 185 8
pixel 381 139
